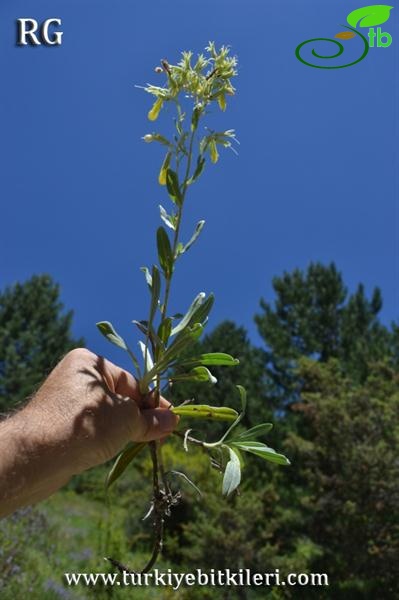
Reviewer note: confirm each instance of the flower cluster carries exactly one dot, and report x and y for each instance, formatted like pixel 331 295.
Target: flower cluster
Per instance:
pixel 207 80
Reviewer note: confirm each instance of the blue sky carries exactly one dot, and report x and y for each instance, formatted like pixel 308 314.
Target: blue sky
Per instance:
pixel 315 179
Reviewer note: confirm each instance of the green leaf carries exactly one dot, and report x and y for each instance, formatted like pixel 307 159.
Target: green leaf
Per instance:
pixel 167 219
pixel 149 363
pixel 107 329
pixel 165 254
pixel 203 374
pixel 369 16
pixel 181 143
pixel 240 456
pixel 172 183
pixel 198 315
pixel 205 411
pixel 203 311
pixel 232 474
pixel 179 344
pixel 196 303
pixel 261 450
pixel 212 359
pixel 182 341
pixel 199 374
pixel 148 277
pixel 198 169
pixel 243 397
pixel 123 461
pixel 141 326
pixel 254 432
pixel 196 233
pixel 164 330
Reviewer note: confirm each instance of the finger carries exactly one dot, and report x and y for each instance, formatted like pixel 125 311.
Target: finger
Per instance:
pixel 128 385
pixel 165 403
pixel 149 401
pixel 120 381
pixel 125 384
pixel 154 423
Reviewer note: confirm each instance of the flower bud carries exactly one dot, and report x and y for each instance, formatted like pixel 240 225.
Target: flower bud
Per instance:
pixel 164 169
pixel 154 112
pixel 213 151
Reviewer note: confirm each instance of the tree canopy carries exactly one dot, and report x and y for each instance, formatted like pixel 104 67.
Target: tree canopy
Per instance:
pixel 313 315
pixel 35 333
pixel 333 511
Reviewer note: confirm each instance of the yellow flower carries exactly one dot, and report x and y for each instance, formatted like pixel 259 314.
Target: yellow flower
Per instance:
pixel 154 112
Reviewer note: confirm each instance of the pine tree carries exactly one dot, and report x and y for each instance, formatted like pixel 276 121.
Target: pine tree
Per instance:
pixel 314 316
pixel 347 476
pixel 34 335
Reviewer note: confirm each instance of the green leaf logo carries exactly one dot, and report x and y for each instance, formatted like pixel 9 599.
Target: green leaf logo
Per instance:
pixel 368 16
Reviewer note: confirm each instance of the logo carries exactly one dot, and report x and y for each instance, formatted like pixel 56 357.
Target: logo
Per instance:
pixel 369 17
pixel 27 33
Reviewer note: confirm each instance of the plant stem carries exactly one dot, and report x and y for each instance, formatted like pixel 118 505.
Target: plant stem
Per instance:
pixel 158 512
pixel 174 250
pixel 178 223
pixel 199 442
pixel 156 451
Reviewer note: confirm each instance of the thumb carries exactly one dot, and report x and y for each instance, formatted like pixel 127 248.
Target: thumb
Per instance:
pixel 153 424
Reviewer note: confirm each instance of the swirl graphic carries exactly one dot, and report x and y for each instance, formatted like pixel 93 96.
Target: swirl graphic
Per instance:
pixel 338 53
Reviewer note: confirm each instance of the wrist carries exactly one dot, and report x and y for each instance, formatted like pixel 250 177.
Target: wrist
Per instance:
pixel 32 466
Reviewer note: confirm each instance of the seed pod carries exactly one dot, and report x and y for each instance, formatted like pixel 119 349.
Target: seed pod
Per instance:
pixel 204 411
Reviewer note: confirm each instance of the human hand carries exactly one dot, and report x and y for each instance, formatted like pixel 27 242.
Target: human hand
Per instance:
pixel 85 412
